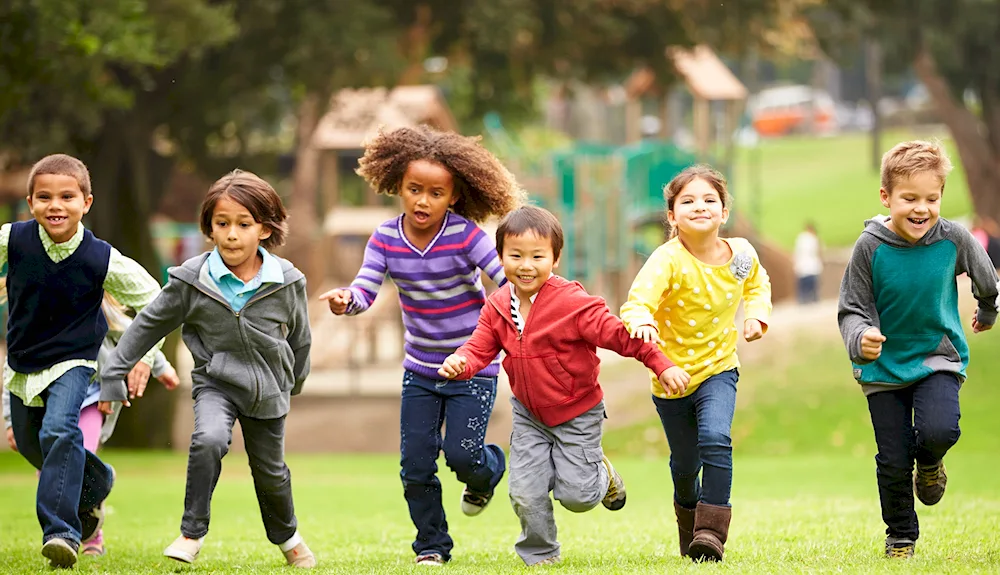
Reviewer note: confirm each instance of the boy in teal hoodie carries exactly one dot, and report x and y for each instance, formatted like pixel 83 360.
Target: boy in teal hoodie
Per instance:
pixel 899 318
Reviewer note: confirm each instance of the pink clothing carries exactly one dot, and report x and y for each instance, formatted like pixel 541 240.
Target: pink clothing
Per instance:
pixel 981 236
pixel 91 421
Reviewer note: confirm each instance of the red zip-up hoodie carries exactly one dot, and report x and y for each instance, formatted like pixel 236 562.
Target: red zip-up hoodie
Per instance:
pixel 553 365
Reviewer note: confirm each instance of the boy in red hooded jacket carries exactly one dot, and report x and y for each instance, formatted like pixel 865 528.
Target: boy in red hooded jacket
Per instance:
pixel 550 329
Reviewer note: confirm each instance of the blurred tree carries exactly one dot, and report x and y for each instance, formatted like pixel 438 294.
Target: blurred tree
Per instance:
pixel 952 46
pixel 497 49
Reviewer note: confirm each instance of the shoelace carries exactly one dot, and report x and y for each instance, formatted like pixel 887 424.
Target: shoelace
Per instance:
pixel 929 477
pixel 476 499
pixel 901 552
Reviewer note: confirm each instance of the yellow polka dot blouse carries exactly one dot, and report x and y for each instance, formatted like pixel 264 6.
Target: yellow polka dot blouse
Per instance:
pixel 693 306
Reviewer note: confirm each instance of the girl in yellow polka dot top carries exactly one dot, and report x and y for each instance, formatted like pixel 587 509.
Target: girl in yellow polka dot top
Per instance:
pixel 686 297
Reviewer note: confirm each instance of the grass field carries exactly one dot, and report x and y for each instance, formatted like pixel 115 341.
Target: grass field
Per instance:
pixel 804 496
pixel 827 180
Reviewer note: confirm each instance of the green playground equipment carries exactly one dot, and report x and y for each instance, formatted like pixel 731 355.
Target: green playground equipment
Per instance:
pixel 609 199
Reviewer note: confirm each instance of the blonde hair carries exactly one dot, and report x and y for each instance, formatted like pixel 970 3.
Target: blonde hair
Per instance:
pixel 114 313
pixel 710 175
pixel 907 159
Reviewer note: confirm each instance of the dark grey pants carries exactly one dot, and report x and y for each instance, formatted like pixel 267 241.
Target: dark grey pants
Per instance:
pixel 214 416
pixel 565 460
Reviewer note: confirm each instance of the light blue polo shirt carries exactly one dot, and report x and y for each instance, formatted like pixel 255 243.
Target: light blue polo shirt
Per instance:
pixel 236 292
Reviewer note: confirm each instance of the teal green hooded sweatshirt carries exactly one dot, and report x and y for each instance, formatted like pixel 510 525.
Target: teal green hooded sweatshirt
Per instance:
pixel 909 292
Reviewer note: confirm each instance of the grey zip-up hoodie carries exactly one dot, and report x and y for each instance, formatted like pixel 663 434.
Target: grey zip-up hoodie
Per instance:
pixel 257 357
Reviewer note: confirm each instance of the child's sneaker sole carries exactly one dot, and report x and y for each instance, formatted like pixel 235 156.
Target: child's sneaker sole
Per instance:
pixel 59 553
pixel 615 497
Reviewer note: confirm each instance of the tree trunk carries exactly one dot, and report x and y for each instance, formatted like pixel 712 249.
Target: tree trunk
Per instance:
pixel 982 172
pixel 873 78
pixel 126 187
pixel 304 246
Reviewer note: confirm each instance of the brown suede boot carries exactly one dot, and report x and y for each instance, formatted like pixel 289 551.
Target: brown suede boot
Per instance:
pixel 711 528
pixel 685 527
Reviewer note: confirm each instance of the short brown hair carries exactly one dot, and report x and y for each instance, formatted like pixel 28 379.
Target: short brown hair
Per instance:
pixel 254 194
pixel 484 186
pixel 689 174
pixel 906 159
pixel 531 219
pixel 60 165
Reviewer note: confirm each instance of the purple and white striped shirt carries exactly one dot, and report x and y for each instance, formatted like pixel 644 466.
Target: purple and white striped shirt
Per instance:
pixel 440 289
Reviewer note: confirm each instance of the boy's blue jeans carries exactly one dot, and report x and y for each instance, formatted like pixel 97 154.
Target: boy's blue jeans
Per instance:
pixel 72 479
pixel 916 423
pixel 463 408
pixel 698 430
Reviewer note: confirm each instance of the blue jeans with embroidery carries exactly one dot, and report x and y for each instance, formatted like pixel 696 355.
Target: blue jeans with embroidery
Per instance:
pixel 72 479
pixel 463 408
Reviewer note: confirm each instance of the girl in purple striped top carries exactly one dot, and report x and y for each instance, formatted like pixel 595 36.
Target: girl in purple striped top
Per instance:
pixel 434 252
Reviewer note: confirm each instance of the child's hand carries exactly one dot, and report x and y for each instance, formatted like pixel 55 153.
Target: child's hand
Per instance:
pixel 978 327
pixel 674 380
pixel 871 343
pixel 339 299
pixel 453 366
pixel 137 380
pixel 169 378
pixel 648 334
pixel 10 439
pixel 106 408
pixel 752 330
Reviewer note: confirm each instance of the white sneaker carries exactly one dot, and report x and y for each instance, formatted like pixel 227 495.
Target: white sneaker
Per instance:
pixel 473 503
pixel 183 549
pixel 59 552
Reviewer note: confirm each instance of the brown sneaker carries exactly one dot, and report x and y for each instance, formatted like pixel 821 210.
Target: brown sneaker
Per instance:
pixel 898 547
pixel 614 499
pixel 929 482
pixel 300 556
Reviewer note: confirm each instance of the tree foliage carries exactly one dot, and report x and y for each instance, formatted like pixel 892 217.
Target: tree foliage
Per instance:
pixel 952 46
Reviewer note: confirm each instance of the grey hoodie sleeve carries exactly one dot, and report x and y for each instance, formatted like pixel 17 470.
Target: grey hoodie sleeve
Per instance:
pixel 154 322
pixel 856 312
pixel 299 335
pixel 972 260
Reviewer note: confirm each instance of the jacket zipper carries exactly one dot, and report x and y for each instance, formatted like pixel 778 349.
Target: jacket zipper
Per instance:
pixel 246 346
pixel 520 345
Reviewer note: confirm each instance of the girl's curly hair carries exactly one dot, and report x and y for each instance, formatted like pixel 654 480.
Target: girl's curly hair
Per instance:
pixel 485 187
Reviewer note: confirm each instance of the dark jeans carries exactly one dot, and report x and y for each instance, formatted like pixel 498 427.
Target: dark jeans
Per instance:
pixel 808 291
pixel 72 479
pixel 464 408
pixel 697 429
pixel 916 423
pixel 264 440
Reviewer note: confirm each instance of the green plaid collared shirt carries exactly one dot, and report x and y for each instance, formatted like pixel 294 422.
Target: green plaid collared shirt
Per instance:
pixel 126 280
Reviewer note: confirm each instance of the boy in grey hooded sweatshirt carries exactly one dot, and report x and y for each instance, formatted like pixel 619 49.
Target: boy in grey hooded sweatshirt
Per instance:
pixel 245 320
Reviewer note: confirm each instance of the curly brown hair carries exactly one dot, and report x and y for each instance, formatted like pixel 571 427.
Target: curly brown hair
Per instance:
pixel 484 186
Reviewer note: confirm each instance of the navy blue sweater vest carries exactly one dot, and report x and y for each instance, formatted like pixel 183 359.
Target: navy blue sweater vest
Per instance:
pixel 55 308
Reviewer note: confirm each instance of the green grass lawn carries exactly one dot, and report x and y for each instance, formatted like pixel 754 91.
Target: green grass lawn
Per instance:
pixel 804 496
pixel 827 180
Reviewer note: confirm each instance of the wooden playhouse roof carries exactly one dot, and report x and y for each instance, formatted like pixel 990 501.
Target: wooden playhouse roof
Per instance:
pixel 705 75
pixel 356 114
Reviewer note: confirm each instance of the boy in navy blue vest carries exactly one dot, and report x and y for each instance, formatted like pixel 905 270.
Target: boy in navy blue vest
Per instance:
pixel 57 274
